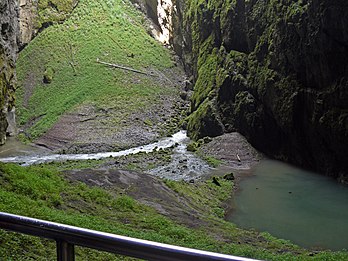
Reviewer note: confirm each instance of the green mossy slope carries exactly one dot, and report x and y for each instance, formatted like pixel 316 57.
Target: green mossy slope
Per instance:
pixel 58 71
pixel 44 193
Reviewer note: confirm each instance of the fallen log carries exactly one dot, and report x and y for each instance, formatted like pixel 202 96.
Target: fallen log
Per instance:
pixel 124 68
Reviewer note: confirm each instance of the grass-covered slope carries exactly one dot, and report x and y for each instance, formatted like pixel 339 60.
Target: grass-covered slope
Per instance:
pixel 58 71
pixel 44 193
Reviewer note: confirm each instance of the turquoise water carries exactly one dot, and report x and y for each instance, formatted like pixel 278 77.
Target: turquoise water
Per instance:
pixel 306 208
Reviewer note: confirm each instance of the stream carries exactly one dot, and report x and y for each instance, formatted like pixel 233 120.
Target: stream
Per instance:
pixel 25 160
pixel 306 208
pixel 184 165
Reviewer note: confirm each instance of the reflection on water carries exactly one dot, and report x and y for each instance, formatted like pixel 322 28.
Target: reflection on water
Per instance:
pixel 309 209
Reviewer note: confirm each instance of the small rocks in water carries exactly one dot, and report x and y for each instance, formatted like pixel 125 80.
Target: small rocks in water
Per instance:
pixel 216 182
pixel 290 192
pixel 192 181
pixel 229 176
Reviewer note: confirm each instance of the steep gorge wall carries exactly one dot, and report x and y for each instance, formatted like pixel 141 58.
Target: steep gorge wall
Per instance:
pixel 8 55
pixel 35 15
pixel 275 70
pixel 20 21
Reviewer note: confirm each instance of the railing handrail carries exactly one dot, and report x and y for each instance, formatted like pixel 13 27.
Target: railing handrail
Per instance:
pixel 67 236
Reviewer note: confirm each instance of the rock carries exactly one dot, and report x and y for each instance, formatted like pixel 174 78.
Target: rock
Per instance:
pixel 229 176
pixel 216 181
pixel 183 95
pixel 48 75
pixel 11 120
pixel 192 147
pixel 35 16
pixel 275 72
pixel 8 56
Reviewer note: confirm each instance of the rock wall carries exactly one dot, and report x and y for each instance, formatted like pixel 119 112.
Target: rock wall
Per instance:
pixel 274 70
pixel 20 21
pixel 35 15
pixel 8 55
pixel 160 13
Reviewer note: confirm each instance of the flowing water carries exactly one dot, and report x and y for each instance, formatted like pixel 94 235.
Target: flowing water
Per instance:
pixel 184 165
pixel 308 209
pixel 177 138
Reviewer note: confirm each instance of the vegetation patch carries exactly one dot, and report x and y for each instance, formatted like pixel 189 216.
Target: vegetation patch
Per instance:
pixel 64 55
pixel 44 193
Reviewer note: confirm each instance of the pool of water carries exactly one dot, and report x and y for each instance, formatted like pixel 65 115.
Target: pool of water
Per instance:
pixel 308 209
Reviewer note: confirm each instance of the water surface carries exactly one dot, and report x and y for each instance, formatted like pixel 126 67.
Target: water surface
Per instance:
pixel 308 209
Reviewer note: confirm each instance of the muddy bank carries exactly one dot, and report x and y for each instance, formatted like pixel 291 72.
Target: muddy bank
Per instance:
pixel 14 147
pixel 150 187
pixel 145 188
pixel 234 152
pixel 89 129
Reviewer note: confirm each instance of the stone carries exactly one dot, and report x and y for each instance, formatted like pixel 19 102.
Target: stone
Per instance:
pixel 216 181
pixel 8 56
pixel 229 176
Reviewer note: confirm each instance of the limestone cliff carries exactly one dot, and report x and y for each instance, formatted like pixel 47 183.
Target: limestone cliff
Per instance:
pixel 36 15
pixel 276 71
pixel 8 55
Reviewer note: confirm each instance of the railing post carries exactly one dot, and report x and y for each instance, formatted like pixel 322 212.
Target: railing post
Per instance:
pixel 65 251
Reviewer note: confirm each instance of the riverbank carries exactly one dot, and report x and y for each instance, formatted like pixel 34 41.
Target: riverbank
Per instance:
pixel 194 204
pixel 135 204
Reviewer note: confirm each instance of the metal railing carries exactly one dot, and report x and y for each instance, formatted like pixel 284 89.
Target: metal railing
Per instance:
pixel 67 237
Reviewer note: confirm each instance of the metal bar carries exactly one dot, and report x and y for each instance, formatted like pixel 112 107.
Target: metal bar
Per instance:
pixel 107 242
pixel 65 251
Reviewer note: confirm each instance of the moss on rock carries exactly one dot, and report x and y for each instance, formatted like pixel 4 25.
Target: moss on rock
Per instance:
pixel 275 71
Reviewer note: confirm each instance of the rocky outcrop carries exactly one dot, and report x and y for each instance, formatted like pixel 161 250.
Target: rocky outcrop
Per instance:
pixel 160 13
pixel 8 55
pixel 30 17
pixel 35 15
pixel 276 71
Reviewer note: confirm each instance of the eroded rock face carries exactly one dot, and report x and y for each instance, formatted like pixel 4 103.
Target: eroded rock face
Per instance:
pixel 8 55
pixel 161 14
pixel 36 15
pixel 28 16
pixel 276 71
